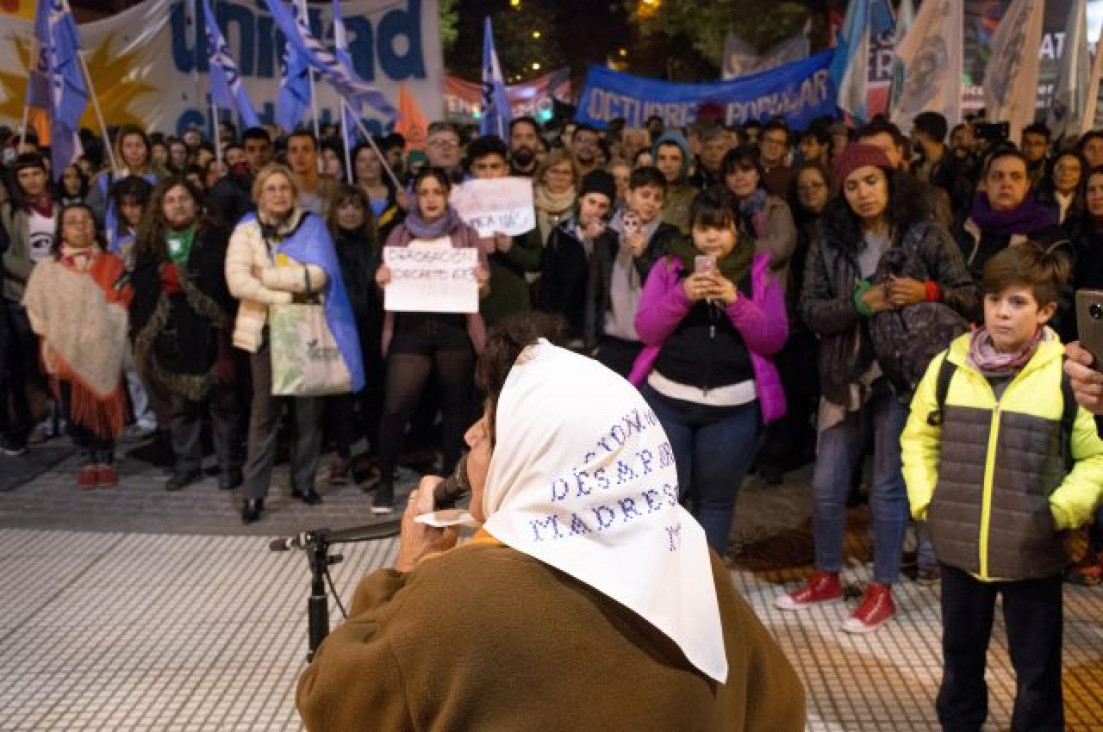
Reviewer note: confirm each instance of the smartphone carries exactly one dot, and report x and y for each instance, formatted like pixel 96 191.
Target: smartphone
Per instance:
pixel 704 264
pixel 992 131
pixel 631 223
pixel 1089 322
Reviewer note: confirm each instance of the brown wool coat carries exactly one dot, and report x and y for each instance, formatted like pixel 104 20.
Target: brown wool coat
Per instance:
pixel 487 638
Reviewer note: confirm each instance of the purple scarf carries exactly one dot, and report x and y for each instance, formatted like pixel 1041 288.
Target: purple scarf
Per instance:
pixel 990 362
pixel 428 230
pixel 1028 217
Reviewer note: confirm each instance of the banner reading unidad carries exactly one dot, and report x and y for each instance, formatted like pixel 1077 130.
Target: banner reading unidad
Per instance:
pixel 149 70
pixel 799 91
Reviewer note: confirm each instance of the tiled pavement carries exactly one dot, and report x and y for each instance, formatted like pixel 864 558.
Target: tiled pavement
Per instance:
pixel 135 609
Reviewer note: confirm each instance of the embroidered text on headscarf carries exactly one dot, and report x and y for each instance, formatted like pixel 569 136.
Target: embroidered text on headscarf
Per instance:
pixel 584 480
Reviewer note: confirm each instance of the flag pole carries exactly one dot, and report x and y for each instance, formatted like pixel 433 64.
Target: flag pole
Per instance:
pixel 96 104
pixel 346 138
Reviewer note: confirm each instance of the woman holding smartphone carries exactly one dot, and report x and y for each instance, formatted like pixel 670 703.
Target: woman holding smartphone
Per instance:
pixel 712 316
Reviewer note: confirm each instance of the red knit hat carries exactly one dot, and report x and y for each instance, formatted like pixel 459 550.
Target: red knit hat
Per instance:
pixel 857 155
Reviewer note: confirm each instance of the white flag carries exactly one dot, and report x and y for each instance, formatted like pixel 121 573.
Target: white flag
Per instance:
pixel 1092 96
pixel 1069 103
pixel 741 58
pixel 930 59
pixel 1011 76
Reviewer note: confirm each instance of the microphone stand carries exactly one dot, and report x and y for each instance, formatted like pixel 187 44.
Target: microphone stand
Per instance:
pixel 316 544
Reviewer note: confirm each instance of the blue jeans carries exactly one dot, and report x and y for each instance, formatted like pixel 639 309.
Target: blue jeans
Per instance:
pixel 838 456
pixel 713 449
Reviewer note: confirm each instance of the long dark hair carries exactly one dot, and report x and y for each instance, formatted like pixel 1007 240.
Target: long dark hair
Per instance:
pixel 340 197
pixel 150 238
pixel 842 225
pixel 386 179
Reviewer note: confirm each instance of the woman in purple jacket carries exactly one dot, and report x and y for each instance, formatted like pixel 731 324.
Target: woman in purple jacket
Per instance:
pixel 712 315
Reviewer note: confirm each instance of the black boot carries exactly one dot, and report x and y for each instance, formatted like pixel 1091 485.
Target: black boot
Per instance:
pixel 183 478
pixel 253 508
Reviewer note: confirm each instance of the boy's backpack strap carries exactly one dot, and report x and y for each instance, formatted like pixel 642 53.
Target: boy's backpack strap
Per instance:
pixel 946 371
pixel 1068 419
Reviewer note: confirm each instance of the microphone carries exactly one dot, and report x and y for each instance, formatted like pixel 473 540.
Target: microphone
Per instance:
pixel 288 543
pixel 454 487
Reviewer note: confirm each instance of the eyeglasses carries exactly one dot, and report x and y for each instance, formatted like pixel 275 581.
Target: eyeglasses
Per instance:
pixel 444 144
pixel 809 187
pixel 1067 169
pixel 773 140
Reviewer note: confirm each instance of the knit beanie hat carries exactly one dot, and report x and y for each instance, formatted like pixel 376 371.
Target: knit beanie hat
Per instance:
pixel 857 155
pixel 599 181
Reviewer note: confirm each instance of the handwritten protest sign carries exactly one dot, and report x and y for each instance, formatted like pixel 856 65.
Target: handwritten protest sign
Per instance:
pixel 491 205
pixel 431 277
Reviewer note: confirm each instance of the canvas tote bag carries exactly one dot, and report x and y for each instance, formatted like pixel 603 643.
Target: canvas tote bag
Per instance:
pixel 306 361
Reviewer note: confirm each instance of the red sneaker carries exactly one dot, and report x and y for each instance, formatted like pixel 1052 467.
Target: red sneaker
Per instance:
pixel 1088 571
pixel 87 478
pixel 822 588
pixel 106 476
pixel 877 608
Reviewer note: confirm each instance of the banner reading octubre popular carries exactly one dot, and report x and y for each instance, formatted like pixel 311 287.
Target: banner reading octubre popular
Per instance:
pixel 799 91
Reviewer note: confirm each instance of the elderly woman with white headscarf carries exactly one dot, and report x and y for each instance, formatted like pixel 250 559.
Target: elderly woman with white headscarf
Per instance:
pixel 587 600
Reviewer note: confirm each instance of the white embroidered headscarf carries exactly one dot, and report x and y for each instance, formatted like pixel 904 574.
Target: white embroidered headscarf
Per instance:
pixel 582 477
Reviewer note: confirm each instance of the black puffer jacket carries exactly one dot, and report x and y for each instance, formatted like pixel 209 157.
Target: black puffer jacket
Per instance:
pixel 831 276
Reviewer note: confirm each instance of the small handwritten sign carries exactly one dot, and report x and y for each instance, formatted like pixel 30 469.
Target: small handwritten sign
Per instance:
pixel 431 277
pixel 492 205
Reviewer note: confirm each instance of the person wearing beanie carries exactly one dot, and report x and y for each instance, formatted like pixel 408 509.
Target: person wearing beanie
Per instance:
pixel 671 155
pixel 885 290
pixel 565 282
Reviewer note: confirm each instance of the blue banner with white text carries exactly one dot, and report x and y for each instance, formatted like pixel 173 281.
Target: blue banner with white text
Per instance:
pixel 799 92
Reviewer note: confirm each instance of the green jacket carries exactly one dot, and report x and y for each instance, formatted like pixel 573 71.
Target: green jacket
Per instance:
pixel 990 479
pixel 509 289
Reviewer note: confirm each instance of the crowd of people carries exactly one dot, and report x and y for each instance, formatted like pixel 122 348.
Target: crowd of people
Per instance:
pixel 777 296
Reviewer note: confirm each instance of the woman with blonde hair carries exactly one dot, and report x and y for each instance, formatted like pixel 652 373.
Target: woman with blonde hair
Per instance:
pixel 276 256
pixel 555 190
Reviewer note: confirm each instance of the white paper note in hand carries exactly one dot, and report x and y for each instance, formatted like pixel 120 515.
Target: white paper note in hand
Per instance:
pixel 448 517
pixel 431 277
pixel 492 205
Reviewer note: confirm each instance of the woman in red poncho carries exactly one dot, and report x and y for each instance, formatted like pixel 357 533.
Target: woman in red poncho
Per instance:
pixel 77 302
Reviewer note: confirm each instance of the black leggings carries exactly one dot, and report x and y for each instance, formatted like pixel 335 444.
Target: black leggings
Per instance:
pixel 407 374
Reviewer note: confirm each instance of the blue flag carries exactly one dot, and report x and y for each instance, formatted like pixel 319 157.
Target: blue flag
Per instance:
pixel 294 95
pixel 850 68
pixel 56 81
pixel 227 88
pixel 348 84
pixel 496 111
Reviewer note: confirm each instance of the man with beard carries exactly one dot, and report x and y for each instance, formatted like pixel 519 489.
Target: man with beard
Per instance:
pixel 524 137
pixel 584 147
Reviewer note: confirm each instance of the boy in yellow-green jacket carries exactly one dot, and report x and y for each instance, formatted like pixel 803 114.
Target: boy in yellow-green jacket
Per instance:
pixel 998 467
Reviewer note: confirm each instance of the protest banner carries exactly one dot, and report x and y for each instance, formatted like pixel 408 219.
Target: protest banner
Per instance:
pixel 431 277
pixel 799 91
pixel 155 70
pixel 463 99
pixel 493 205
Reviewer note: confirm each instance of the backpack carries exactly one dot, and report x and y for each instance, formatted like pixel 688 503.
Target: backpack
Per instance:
pixel 946 371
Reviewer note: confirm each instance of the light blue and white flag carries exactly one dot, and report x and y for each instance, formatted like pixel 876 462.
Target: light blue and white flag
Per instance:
pixel 294 95
pixel 57 81
pixel 227 88
pixel 348 84
pixel 496 111
pixel 850 68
